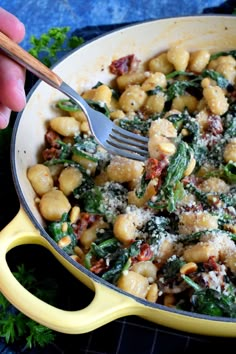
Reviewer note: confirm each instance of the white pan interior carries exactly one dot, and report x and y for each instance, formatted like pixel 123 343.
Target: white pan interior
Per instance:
pixel 89 64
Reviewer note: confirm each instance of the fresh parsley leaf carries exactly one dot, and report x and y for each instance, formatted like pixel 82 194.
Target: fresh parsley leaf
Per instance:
pixel 39 335
pixel 14 325
pixel 50 45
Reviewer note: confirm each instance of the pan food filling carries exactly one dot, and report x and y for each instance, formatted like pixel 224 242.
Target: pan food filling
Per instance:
pixel 163 230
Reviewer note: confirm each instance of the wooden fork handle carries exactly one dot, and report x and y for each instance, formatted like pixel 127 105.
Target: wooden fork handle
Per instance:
pixel 21 56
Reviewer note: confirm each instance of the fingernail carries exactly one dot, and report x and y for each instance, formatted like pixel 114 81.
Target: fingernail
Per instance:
pixel 21 88
pixel 20 85
pixel 4 118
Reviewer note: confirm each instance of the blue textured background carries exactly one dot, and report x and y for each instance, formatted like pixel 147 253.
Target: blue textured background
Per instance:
pixel 39 16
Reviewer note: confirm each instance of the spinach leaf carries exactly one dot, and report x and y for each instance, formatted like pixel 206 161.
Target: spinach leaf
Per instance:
pixel 140 191
pixel 210 301
pixel 63 228
pixel 214 75
pixel 99 106
pixel 85 147
pixel 185 121
pixel 155 91
pixel 178 88
pixel 92 201
pixel 195 237
pixel 166 198
pixel 230 127
pixel 177 166
pixel 118 265
pixel 180 73
pixel 65 149
pixel 230 172
pixel 108 200
pixel 137 125
pixel 171 268
pixel 200 195
pixel 223 53
pixel 104 248
pixel 68 105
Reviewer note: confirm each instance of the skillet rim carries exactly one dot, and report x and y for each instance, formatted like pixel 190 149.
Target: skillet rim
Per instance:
pixel 41 229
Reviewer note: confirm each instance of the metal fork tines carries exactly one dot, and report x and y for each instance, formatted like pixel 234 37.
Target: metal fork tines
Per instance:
pixel 109 135
pixel 132 145
pixel 113 138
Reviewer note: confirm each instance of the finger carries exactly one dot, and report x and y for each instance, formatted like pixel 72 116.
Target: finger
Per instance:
pixel 11 26
pixel 12 84
pixel 4 116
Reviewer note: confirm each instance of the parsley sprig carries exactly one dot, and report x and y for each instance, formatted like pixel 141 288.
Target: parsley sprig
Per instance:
pixel 15 327
pixel 53 44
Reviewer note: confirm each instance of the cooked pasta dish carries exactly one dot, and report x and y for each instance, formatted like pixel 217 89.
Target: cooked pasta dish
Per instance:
pixel 163 230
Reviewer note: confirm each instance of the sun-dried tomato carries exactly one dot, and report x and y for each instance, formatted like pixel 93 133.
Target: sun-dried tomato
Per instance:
pixel 52 137
pixel 145 253
pixel 124 65
pixel 214 125
pixel 51 153
pixel 98 266
pixel 85 221
pixel 155 167
pixel 211 264
pixel 192 179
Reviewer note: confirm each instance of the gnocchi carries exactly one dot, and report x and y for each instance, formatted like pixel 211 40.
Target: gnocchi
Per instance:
pixel 161 228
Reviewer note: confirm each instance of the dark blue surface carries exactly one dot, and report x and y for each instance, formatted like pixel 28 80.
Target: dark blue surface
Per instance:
pixel 40 15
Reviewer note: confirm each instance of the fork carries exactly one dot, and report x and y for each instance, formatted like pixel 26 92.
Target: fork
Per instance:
pixel 111 137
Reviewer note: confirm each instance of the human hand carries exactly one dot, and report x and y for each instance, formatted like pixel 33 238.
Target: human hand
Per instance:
pixel 12 75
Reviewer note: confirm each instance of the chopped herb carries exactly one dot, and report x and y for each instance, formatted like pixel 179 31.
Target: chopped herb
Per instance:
pixel 50 45
pixel 15 327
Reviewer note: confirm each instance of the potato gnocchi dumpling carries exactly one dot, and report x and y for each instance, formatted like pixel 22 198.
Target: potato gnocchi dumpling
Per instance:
pixel 163 230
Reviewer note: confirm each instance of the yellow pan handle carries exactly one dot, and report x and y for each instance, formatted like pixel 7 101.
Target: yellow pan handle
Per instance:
pixel 106 306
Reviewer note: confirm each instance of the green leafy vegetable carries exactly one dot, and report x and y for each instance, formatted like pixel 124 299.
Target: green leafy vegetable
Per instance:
pixel 51 44
pixel 230 127
pixel 171 268
pixel 86 147
pixel 136 125
pixel 117 267
pixel 60 229
pixel 68 105
pixel 178 88
pixel 65 149
pixel 105 247
pixel 185 121
pixel 155 91
pixel 175 171
pixel 214 75
pixel 195 237
pixel 108 200
pixel 173 74
pixel 14 325
pixel 223 53
pixel 92 201
pixel 99 106
pixel 230 172
pixel 210 301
